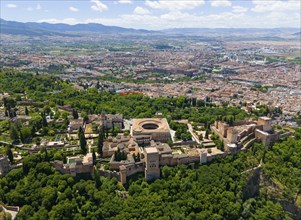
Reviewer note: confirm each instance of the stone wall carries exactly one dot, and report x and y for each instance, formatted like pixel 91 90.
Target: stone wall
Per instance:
pixel 110 174
pixel 4 165
pixel 266 138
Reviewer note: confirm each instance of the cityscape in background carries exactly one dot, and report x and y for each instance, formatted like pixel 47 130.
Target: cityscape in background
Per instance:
pixel 150 109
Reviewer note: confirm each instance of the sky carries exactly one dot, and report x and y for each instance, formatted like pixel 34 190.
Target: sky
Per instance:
pixel 158 14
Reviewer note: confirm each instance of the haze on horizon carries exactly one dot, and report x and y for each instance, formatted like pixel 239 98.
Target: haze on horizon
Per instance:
pixel 159 14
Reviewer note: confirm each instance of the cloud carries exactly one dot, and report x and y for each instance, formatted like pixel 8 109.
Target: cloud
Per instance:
pixel 220 3
pixel 239 9
pixel 171 5
pixel 175 14
pixel 274 6
pixel 73 9
pixel 177 19
pixel 11 5
pixel 38 7
pixel 98 6
pixel 125 1
pixel 65 21
pixel 141 11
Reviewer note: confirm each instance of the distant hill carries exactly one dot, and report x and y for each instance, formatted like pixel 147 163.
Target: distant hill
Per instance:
pixel 204 31
pixel 39 29
pixel 34 28
pixel 297 34
pixel 18 28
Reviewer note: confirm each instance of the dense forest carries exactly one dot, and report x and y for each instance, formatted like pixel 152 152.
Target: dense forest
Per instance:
pixel 227 188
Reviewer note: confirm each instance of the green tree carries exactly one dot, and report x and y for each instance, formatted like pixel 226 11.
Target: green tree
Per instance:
pixel 94 156
pixel 26 111
pixel 25 134
pixel 14 133
pixel 26 212
pixel 97 178
pixel 100 142
pixel 82 140
pixel 10 155
pixel 45 152
pixel 207 134
pixel 201 137
pixel 44 120
pixel 74 113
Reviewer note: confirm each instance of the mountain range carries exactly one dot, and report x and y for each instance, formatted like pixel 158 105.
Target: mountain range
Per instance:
pixel 40 29
pixel 34 28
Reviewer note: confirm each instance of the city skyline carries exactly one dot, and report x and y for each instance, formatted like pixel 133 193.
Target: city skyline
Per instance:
pixel 159 14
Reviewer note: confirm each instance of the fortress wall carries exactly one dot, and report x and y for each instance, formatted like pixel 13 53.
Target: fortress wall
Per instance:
pixel 266 139
pixel 232 135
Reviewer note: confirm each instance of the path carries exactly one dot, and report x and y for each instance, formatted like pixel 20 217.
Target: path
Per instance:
pixel 195 137
pixel 254 168
pixel 90 144
pixel 13 213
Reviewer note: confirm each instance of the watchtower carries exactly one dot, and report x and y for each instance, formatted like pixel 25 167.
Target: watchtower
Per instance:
pixel 152 169
pixel 266 123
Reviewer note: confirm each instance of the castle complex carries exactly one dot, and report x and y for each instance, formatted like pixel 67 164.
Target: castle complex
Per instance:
pixel 146 148
pixel 75 165
pixel 106 121
pixel 244 133
pixel 148 140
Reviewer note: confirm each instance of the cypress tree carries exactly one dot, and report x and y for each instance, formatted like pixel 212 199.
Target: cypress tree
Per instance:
pixel 75 114
pixel 207 134
pixel 97 178
pixel 94 156
pixel 46 155
pixel 82 140
pixel 33 131
pixel 14 133
pixel 100 143
pixel 10 155
pixel 44 119
pixel 64 159
pixel 21 137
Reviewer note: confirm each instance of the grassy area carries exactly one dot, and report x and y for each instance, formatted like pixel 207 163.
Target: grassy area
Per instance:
pixel 88 128
pixel 5 137
pixel 105 160
pixel 298 201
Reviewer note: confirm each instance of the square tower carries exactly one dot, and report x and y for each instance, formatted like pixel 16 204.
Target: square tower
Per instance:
pixel 232 135
pixel 4 164
pixel 266 123
pixel 152 169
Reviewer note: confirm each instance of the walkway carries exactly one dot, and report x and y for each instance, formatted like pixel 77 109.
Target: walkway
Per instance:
pixel 13 213
pixel 254 168
pixel 195 137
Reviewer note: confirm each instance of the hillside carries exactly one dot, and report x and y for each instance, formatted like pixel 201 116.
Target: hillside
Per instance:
pixel 36 29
